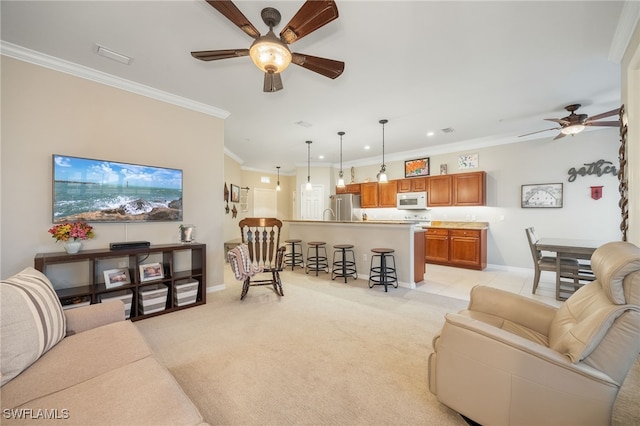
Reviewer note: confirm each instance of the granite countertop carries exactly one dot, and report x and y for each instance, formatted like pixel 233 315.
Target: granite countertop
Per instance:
pixel 356 222
pixel 457 224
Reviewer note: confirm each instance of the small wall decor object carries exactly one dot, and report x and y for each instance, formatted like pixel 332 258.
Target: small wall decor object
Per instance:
pixel 234 212
pixel 151 272
pixel 415 168
pixel 541 195
pixel 226 208
pixel 226 193
pixel 116 277
pixel 235 193
pixel 596 192
pixel 468 161
pixel 443 169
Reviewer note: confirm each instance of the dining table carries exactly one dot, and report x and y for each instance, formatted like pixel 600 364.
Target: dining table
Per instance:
pixel 570 248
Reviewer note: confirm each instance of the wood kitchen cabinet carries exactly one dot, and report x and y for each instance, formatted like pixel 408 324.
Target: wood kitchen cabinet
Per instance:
pixel 387 194
pixel 466 248
pixel 439 193
pixel 412 185
pixel 374 194
pixel 469 189
pixel 350 188
pixel 369 195
pixel 436 246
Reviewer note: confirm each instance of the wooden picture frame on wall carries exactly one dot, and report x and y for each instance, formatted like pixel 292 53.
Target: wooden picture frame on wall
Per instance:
pixel 416 168
pixel 235 193
pixel 541 195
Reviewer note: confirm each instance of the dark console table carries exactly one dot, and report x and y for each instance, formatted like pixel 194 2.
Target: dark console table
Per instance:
pixel 180 262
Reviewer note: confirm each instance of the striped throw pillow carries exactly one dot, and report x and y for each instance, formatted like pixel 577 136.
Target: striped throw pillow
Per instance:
pixel 31 321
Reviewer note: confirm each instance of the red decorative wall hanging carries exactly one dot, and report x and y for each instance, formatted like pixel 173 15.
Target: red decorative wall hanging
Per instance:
pixel 596 192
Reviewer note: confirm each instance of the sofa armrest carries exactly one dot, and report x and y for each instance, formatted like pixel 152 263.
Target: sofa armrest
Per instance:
pixel 93 316
pixel 512 307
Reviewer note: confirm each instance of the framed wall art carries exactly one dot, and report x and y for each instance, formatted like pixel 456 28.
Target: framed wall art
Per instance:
pixel 468 161
pixel 541 195
pixel 235 193
pixel 415 168
pixel 116 277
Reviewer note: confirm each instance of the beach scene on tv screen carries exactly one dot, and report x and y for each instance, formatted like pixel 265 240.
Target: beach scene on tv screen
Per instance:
pixel 107 191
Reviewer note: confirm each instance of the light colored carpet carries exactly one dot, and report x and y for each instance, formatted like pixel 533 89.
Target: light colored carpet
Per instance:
pixel 325 353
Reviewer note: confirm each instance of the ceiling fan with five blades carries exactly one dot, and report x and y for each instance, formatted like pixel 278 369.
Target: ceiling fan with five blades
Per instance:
pixel 575 123
pixel 271 53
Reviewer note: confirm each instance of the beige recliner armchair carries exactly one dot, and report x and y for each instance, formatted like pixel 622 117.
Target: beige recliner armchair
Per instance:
pixel 510 360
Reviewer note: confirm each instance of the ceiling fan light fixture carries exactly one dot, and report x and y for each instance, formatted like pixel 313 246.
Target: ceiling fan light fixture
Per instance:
pixel 572 130
pixel 270 54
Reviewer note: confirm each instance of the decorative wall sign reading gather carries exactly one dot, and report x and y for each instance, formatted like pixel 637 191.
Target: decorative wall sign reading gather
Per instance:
pixel 599 168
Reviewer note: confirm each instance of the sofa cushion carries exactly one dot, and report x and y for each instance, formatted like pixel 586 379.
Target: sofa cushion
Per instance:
pixel 140 393
pixel 76 359
pixel 31 321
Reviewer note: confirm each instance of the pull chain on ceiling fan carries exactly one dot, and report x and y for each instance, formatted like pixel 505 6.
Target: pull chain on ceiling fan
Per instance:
pixel 270 53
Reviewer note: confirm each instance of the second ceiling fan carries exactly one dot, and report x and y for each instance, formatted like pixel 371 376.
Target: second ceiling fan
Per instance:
pixel 575 123
pixel 271 53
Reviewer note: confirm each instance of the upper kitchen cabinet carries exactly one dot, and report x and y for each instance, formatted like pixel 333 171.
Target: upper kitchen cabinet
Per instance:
pixel 469 189
pixel 412 185
pixel 369 195
pixel 350 188
pixel 374 194
pixel 439 191
pixel 387 194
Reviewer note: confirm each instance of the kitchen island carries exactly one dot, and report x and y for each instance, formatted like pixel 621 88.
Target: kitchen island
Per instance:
pixel 407 239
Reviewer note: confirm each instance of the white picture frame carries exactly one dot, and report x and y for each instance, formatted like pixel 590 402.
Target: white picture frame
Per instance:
pixel 151 272
pixel 116 277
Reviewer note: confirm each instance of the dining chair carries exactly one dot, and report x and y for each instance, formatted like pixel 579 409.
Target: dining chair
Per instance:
pixel 569 267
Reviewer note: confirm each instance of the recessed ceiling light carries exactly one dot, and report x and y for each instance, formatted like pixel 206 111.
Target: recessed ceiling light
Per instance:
pixel 113 55
pixel 367 147
pixel 321 157
pixel 430 133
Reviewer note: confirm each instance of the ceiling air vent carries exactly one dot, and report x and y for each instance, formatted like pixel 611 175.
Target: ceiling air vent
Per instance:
pixel 448 130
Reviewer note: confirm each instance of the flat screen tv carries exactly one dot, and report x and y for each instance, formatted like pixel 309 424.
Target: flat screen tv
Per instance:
pixel 108 191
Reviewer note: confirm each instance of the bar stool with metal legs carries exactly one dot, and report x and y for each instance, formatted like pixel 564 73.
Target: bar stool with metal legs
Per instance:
pixel 344 267
pixel 385 273
pixel 317 257
pixel 294 256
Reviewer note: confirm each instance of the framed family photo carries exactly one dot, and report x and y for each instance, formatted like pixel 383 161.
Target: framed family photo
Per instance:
pixel 151 272
pixel 116 277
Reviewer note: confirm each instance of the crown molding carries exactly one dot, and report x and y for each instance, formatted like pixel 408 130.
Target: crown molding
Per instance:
pixel 33 57
pixel 629 18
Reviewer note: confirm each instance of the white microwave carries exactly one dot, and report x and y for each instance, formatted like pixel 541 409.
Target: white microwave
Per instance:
pixel 411 201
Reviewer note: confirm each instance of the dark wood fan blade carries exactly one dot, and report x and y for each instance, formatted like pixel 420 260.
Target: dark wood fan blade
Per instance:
pixel 560 135
pixel 327 67
pixel 272 82
pixel 605 124
pixel 214 55
pixel 539 131
pixel 311 16
pixel 232 13
pixel 605 114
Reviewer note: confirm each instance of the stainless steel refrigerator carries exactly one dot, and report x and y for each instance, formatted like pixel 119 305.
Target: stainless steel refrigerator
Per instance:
pixel 346 207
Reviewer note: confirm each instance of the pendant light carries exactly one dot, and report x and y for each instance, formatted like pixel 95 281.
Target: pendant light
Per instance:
pixel 278 183
pixel 382 176
pixel 341 175
pixel 309 187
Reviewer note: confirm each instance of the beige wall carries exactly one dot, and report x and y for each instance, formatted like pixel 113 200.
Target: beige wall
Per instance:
pixel 46 112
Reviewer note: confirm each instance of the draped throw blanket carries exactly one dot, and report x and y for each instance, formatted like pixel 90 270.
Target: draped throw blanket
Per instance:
pixel 241 263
